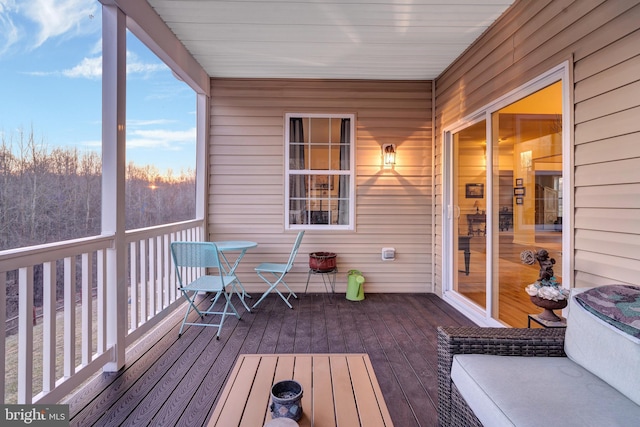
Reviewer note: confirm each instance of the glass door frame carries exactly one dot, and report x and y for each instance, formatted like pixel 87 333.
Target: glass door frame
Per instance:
pixel 476 313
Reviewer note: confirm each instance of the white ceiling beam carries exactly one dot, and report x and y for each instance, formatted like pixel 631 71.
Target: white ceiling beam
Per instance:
pixel 146 25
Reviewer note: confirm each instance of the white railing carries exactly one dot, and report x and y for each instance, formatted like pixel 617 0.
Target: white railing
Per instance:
pixel 154 293
pixel 47 359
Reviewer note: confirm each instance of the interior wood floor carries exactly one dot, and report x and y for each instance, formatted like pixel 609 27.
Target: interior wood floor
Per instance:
pixel 171 381
pixel 513 303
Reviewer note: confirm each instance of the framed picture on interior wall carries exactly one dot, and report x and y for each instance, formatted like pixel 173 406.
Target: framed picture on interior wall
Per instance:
pixel 322 182
pixel 519 201
pixel 474 191
pixel 519 182
pixel 519 191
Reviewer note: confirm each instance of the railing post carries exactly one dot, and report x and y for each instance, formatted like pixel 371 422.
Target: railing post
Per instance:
pixel 69 316
pixel 48 326
pixel 25 337
pixel 113 177
pixel 3 332
pixel 87 308
pixel 102 302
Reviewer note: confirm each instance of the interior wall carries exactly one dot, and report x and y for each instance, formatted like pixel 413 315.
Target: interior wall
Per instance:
pixel 601 39
pixel 393 206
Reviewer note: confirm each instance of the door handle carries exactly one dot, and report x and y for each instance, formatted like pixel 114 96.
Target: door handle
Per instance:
pixel 453 211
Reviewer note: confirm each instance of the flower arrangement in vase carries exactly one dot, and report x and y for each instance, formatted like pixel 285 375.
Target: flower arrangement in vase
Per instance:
pixel 545 292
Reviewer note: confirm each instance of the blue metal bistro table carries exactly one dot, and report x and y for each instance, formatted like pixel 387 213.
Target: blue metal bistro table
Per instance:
pixel 242 246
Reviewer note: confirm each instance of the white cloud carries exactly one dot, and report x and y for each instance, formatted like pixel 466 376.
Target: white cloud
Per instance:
pixel 6 5
pixel 161 138
pixel 41 73
pixel 60 17
pixel 90 144
pixel 136 66
pixel 97 47
pixel 9 32
pixel 142 68
pixel 90 68
pixel 154 122
pixel 31 23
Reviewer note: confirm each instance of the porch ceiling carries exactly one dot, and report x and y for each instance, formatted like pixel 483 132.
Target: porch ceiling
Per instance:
pixel 335 39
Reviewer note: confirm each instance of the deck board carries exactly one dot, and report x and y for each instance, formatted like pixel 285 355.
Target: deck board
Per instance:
pixel 176 382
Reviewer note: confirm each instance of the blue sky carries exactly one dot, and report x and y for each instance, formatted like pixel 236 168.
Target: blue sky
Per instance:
pixel 50 82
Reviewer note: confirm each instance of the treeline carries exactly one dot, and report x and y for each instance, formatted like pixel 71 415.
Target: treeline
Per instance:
pixel 49 195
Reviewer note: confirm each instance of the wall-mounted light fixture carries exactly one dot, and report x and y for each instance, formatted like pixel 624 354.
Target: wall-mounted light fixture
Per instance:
pixel 389 154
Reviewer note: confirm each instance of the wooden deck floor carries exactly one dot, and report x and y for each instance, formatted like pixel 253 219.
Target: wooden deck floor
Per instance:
pixel 177 381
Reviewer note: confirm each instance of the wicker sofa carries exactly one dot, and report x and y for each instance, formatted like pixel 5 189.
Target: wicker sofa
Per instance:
pixel 608 396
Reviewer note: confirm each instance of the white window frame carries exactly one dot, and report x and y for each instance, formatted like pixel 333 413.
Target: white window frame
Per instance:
pixel 350 173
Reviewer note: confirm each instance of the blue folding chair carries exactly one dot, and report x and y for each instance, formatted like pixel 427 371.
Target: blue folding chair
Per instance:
pixel 202 255
pixel 273 274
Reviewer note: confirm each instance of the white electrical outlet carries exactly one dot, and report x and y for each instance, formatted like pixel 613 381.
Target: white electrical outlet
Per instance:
pixel 388 254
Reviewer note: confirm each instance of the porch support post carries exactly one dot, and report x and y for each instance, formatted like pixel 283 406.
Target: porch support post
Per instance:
pixel 113 178
pixel 202 162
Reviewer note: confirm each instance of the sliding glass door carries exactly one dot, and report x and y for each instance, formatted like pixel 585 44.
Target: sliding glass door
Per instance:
pixel 505 196
pixel 470 222
pixel 527 176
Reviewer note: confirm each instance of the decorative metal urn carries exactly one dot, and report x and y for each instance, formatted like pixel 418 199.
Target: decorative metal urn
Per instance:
pixel 546 292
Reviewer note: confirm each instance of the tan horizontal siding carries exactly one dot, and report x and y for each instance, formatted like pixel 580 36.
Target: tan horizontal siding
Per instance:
pixel 615 124
pixel 586 280
pixel 472 63
pixel 617 269
pixel 389 207
pixel 411 170
pixel 619 50
pixel 609 219
pixel 606 150
pixel 232 210
pixel 622 245
pixel 609 102
pixel 607 157
pixel 624 196
pixel 393 208
pixel 535 55
pixel 601 38
pixel 618 76
pixel 380 276
pixel 625 171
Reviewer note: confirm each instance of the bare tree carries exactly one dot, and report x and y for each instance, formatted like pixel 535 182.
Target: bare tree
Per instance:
pixel 54 195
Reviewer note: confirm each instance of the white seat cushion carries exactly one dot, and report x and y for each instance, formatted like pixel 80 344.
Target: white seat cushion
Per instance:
pixel 539 391
pixel 604 350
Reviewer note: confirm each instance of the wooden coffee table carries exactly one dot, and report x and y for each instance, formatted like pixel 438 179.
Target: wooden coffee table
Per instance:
pixel 338 390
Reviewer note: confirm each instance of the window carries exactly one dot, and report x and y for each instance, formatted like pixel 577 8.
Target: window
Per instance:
pixel 319 171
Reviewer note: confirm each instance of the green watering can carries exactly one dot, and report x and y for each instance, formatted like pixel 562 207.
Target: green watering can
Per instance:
pixel 355 288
